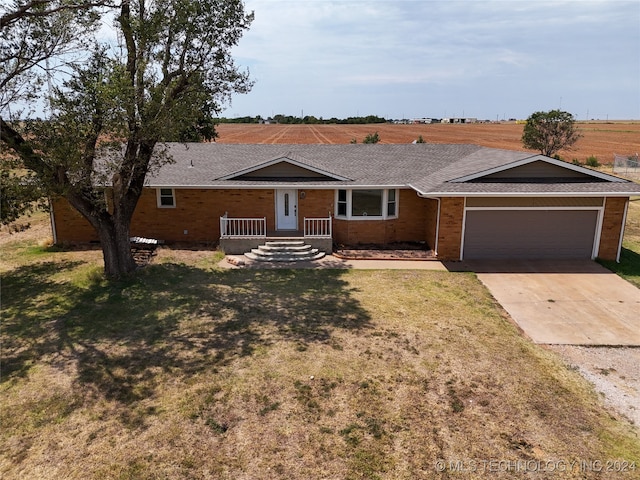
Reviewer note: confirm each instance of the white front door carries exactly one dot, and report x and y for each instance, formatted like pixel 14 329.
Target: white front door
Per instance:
pixel 287 209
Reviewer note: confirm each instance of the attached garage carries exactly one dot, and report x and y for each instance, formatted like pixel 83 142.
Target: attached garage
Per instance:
pixel 533 232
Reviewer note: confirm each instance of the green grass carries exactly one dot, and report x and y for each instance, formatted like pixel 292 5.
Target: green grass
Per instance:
pixel 629 265
pixel 186 370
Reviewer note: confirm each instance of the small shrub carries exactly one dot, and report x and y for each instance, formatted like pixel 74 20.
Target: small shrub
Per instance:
pixel 371 138
pixel 592 161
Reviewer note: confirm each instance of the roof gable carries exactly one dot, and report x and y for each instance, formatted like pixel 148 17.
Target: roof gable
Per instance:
pixel 283 167
pixel 538 168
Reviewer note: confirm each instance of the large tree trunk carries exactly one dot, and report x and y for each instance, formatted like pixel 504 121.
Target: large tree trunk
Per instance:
pixel 112 230
pixel 116 249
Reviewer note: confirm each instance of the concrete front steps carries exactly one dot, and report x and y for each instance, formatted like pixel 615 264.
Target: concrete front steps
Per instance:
pixel 284 251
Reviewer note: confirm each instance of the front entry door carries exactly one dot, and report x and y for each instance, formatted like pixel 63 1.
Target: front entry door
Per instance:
pixel 287 209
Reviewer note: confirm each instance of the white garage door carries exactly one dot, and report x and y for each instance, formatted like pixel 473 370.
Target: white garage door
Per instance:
pixel 502 234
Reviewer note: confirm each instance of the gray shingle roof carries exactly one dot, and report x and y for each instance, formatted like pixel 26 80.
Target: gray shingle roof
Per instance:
pixel 428 168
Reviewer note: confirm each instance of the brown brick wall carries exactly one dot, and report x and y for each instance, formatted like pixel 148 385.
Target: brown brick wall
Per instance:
pixel 71 227
pixel 315 204
pixel 611 227
pixel 431 222
pixel 410 225
pixel 450 234
pixel 361 231
pixel 198 211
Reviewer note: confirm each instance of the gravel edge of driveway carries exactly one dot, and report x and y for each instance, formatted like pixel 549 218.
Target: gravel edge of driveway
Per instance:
pixel 613 371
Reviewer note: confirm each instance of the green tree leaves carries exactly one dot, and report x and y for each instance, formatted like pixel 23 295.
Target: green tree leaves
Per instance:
pixel 171 72
pixel 371 138
pixel 550 132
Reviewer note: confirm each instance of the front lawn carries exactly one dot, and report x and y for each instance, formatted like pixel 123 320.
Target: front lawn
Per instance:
pixel 190 371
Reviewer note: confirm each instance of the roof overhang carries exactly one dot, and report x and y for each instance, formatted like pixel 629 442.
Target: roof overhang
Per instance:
pixel 276 185
pixel 517 193
pixel 525 194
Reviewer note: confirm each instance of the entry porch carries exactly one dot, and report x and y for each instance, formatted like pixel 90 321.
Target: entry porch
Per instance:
pixel 241 235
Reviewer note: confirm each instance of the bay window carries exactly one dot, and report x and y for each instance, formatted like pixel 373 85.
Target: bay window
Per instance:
pixel 363 204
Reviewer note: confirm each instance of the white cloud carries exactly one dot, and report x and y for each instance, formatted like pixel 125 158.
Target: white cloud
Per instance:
pixel 337 56
pixel 401 78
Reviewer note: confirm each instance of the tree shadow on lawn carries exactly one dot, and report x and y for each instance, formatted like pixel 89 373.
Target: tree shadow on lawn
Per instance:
pixel 31 298
pixel 128 337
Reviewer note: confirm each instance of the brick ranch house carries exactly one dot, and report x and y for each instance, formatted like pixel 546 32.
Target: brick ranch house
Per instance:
pixel 462 201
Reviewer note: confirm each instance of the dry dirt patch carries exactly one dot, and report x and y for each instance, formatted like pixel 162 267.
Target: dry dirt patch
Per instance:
pixel 614 372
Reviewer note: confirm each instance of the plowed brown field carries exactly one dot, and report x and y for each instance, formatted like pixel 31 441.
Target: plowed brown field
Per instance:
pixel 599 139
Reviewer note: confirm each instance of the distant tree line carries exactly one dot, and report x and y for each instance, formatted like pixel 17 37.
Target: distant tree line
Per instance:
pixel 307 119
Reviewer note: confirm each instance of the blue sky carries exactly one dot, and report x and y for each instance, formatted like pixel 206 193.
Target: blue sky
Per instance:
pixel 421 58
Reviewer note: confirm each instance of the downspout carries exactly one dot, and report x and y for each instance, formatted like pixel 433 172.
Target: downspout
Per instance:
pixel 622 227
pixel 54 232
pixel 421 195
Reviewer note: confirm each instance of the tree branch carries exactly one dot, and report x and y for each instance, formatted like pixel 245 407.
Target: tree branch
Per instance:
pixel 13 140
pixel 127 31
pixel 27 10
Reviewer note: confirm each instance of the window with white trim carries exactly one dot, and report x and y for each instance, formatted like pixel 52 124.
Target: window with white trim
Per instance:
pixel 367 204
pixel 391 203
pixel 341 203
pixel 166 198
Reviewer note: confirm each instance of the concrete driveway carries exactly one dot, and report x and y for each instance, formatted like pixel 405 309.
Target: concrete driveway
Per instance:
pixel 564 302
